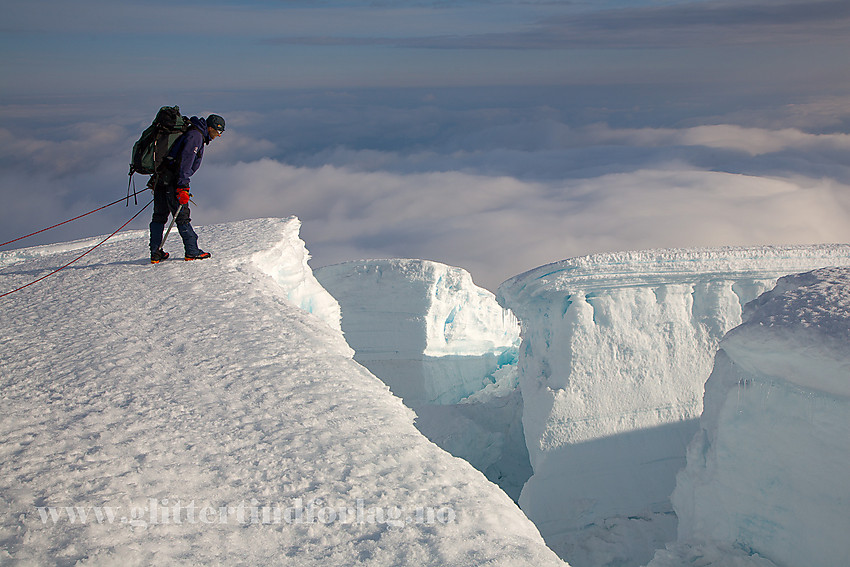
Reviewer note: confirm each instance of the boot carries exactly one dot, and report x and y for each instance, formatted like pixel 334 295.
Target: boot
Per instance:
pixel 158 256
pixel 201 255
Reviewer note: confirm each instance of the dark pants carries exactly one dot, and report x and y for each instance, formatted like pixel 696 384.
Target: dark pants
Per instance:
pixel 164 204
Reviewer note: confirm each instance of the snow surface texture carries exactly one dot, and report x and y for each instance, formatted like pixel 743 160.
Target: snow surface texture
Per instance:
pixel 217 423
pixel 768 470
pixel 447 348
pixel 616 349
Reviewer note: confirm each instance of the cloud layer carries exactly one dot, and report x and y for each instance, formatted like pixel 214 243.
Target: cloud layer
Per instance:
pixel 500 226
pixel 470 178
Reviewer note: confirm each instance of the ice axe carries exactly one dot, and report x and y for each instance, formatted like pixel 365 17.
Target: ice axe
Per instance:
pixel 171 224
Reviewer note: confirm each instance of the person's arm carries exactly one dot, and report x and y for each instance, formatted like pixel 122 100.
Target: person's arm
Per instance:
pixel 191 152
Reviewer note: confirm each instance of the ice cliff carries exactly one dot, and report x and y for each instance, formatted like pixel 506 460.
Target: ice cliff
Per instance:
pixel 286 263
pixel 447 348
pixel 423 327
pixel 767 471
pixel 616 349
pixel 604 395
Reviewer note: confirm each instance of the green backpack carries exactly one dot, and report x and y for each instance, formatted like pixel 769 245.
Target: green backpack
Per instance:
pixel 157 139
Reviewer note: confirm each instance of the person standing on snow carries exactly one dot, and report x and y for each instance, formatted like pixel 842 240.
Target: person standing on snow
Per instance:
pixel 172 186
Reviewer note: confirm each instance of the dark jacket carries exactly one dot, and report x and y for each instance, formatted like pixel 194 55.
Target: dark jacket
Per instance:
pixel 188 151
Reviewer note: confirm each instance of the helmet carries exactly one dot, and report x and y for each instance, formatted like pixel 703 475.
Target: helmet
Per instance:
pixel 216 122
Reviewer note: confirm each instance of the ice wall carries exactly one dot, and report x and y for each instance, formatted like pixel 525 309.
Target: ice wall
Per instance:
pixel 447 348
pixel 615 351
pixel 423 327
pixel 768 470
pixel 286 264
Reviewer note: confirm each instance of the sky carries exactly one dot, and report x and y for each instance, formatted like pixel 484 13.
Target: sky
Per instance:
pixel 492 135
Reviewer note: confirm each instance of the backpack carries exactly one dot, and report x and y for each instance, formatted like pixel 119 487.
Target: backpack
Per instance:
pixel 157 139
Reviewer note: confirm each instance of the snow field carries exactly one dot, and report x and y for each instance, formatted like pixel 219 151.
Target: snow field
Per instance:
pixel 220 423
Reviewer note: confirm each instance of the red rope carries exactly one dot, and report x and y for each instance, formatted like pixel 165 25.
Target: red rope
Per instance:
pixel 83 254
pixel 73 219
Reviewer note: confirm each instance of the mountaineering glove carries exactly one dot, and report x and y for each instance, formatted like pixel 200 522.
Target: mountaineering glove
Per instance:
pixel 183 196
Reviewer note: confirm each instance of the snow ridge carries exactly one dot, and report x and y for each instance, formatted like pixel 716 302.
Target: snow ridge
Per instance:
pixel 220 423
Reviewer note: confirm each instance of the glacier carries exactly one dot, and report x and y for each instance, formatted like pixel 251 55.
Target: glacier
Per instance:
pixel 615 352
pixel 667 407
pixel 767 470
pixel 608 385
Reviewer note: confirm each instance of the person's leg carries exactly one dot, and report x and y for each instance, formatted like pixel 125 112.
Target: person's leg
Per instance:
pixel 187 233
pixel 190 240
pixel 159 217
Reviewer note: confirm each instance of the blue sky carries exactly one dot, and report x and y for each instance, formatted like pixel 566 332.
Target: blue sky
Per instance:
pixel 493 135
pixel 118 44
